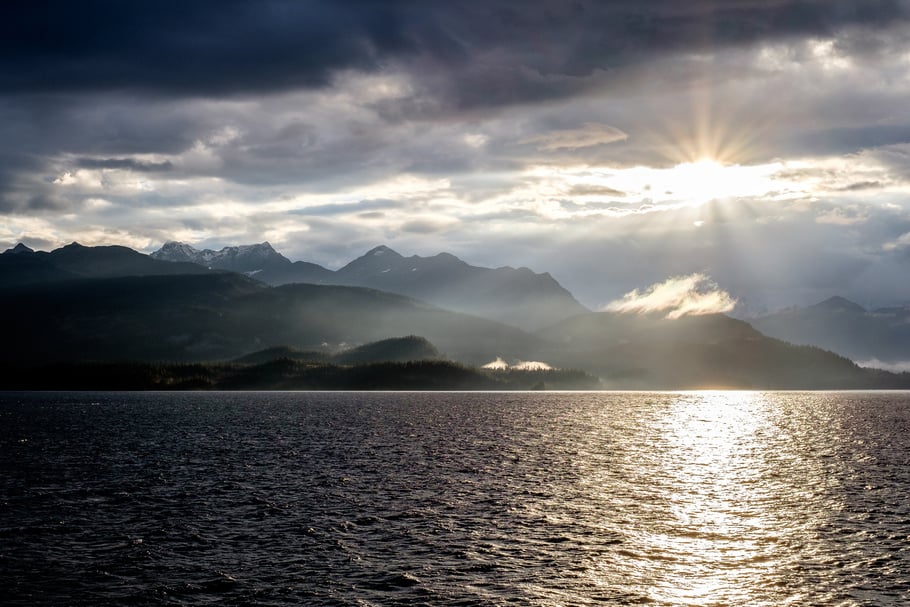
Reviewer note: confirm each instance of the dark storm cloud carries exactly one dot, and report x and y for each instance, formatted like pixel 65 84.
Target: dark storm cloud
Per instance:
pixel 124 163
pixel 204 47
pixel 46 202
pixel 530 50
pixel 107 125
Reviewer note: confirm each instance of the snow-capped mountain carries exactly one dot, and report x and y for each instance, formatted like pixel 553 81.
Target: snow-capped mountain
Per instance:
pixel 260 261
pixel 516 296
pixel 248 259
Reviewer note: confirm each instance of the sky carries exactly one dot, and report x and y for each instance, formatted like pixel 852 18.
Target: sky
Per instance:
pixel 760 147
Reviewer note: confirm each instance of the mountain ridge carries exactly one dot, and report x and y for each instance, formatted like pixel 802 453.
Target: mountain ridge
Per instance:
pixel 21 265
pixel 519 297
pixel 220 316
pixel 845 327
pixel 111 303
pixel 694 352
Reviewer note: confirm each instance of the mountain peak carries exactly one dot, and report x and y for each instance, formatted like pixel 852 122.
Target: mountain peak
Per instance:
pixel 380 251
pixel 840 304
pixel 18 249
pixel 263 249
pixel 175 251
pixel 242 258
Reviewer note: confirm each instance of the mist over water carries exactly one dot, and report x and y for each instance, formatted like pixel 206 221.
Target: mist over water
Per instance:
pixel 706 498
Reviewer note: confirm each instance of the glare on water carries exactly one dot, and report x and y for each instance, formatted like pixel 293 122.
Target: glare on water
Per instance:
pixel 699 498
pixel 730 503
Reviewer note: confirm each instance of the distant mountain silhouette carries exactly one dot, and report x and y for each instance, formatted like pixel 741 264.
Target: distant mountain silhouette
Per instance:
pixel 19 248
pixel 839 304
pixel 283 352
pixel 649 351
pixel 394 349
pixel 79 304
pixel 518 297
pixel 220 316
pixel 844 327
pixel 20 265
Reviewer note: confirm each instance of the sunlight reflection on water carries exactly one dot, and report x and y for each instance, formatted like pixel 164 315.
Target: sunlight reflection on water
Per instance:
pixel 697 498
pixel 733 498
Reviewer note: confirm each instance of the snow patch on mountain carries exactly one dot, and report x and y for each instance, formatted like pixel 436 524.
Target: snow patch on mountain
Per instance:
pixel 242 258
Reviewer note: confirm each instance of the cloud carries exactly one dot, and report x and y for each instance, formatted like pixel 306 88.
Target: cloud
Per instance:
pixel 523 365
pixel 361 207
pixel 588 135
pixel 595 190
pixel 427 225
pixel 901 366
pixel 498 365
pixel 501 50
pixel 124 164
pixel 898 243
pixel 232 121
pixel 860 186
pixel 677 296
pixel 531 365
pixel 844 216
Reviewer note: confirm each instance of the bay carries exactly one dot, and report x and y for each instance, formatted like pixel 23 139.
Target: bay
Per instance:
pixel 695 498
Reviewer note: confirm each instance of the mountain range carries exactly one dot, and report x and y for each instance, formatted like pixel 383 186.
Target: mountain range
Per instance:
pixel 515 296
pixel 114 304
pixel 21 265
pixel 837 324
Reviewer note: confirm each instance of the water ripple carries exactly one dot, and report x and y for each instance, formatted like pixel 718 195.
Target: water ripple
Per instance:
pixel 455 499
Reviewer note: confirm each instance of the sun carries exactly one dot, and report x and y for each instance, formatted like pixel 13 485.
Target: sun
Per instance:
pixel 707 179
pixel 699 181
pixel 692 183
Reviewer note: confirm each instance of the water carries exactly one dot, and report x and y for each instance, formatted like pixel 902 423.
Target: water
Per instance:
pixel 455 499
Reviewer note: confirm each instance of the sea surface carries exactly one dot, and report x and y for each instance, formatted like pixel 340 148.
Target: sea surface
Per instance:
pixel 263 498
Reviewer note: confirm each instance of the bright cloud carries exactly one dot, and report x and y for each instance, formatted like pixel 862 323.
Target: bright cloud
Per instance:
pixel 523 365
pixel 772 156
pixel 496 365
pixel 901 366
pixel 531 365
pixel 677 296
pixel 899 243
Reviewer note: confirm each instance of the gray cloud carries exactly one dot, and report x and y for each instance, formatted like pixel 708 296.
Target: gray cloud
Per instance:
pixel 345 208
pixel 519 49
pixel 425 226
pixel 587 135
pixel 124 163
pixel 46 202
pixel 592 190
pixel 860 186
pixel 226 113
pixel 850 139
